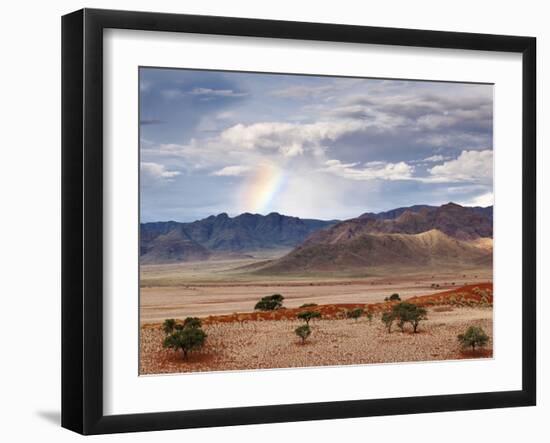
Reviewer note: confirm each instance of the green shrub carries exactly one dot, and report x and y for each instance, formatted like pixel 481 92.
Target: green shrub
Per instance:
pixel 474 336
pixel 393 297
pixel 169 325
pixel 308 315
pixel 186 339
pixel 409 313
pixel 355 313
pixel 308 305
pixel 370 315
pixel 192 322
pixel 303 332
pixel 404 313
pixel 270 303
pixel 388 319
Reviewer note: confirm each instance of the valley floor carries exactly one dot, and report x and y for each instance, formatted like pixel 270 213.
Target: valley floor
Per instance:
pixel 261 344
pixel 216 291
pixel 202 289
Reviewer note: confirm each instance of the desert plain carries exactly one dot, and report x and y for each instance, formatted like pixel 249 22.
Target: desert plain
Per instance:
pixel 222 294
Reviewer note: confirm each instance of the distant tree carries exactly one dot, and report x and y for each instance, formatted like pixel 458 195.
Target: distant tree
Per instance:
pixel 303 332
pixel 388 318
pixel 474 336
pixel 169 325
pixel 369 316
pixel 308 315
pixel 270 303
pixel 393 297
pixel 308 305
pixel 355 313
pixel 186 339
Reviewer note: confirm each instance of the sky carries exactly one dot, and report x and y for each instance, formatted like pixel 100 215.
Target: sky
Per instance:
pixel 309 146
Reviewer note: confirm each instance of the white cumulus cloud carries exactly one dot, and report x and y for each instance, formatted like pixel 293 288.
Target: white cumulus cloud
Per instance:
pixel 232 171
pixel 370 171
pixel 155 172
pixel 470 166
pixel 289 139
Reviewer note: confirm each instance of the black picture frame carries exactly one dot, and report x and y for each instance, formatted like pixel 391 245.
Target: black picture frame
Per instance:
pixel 82 218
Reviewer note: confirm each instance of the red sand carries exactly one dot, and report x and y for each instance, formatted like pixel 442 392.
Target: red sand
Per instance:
pixel 469 295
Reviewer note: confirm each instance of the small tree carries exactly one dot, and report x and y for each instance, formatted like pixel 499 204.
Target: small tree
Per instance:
pixel 388 319
pixel 474 336
pixel 409 313
pixel 186 339
pixel 355 313
pixel 308 315
pixel 416 316
pixel 270 303
pixel 192 322
pixel 369 316
pixel 393 297
pixel 303 332
pixel 169 325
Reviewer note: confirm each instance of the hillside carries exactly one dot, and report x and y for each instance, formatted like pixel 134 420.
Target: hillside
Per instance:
pixel 460 222
pixel 164 242
pixel 341 252
pixel 173 246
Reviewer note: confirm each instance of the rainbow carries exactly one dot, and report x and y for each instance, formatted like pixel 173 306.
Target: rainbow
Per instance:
pixel 261 188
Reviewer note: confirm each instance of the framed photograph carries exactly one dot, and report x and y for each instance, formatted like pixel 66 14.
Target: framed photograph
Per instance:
pixel 269 221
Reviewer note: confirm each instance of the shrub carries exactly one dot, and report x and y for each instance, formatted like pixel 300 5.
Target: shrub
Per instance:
pixel 474 336
pixel 355 313
pixel 186 339
pixel 308 315
pixel 303 332
pixel 308 305
pixel 388 319
pixel 169 325
pixel 369 316
pixel 192 322
pixel 270 303
pixel 393 297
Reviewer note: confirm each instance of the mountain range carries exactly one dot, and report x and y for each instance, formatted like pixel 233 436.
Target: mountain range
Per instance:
pixel 420 235
pixel 165 242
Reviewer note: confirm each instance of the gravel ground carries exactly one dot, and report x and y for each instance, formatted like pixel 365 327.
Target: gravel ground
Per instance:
pixel 273 344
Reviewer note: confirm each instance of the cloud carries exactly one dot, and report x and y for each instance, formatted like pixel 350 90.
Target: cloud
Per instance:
pixel 232 171
pixel 154 172
pixel 150 121
pixel 289 139
pixel 470 166
pixel 203 93
pixel 302 91
pixel 217 92
pixel 484 200
pixel 443 117
pixel 435 159
pixel 370 171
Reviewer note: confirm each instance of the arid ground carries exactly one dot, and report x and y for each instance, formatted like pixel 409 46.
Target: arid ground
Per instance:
pixel 240 338
pixel 218 287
